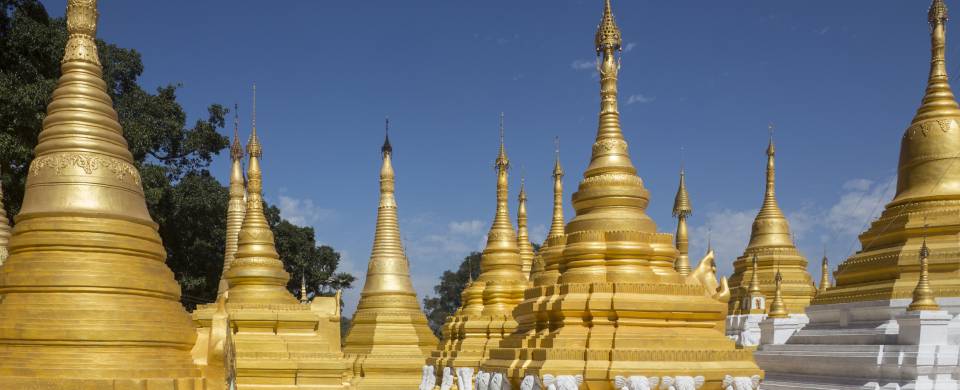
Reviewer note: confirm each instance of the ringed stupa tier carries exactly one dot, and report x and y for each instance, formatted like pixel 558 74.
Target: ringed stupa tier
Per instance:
pixel 770 253
pixel 279 342
pixel 88 301
pixel 389 339
pixel 485 315
pixel 523 235
pixel 682 209
pixel 619 307
pixel 236 203
pixel 864 331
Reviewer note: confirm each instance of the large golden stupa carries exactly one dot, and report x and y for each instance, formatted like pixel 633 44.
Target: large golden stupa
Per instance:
pixel 928 193
pixel 389 339
pixel 485 315
pixel 771 244
pixel 88 302
pixel 279 342
pixel 619 307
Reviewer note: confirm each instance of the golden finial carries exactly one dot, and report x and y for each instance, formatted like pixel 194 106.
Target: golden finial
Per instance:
pixel 557 223
pixel 755 278
pixel 236 150
pixel 557 169
pixel 770 148
pixel 681 210
pixel 778 309
pixel 303 288
pixel 938 101
pixel 608 34
pixel 923 295
pixel 681 202
pixel 938 13
pixel 502 162
pixel 387 148
pixel 82 30
pixel 253 146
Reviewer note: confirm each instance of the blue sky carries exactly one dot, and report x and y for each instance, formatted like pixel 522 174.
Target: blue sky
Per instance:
pixel 840 79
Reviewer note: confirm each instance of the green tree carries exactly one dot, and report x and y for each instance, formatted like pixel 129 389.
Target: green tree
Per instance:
pixel 173 158
pixel 447 298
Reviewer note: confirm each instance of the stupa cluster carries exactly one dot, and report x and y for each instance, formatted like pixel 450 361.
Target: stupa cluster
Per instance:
pixel 607 302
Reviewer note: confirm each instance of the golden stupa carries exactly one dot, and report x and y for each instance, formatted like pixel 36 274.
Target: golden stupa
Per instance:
pixel 484 317
pixel 236 203
pixel 681 210
pixel 546 263
pixel 771 244
pixel 279 342
pixel 619 307
pixel 88 302
pixel 523 235
pixel 389 339
pixel 928 189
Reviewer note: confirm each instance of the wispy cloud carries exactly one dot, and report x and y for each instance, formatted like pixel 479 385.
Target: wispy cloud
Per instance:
pixel 629 47
pixel 471 227
pixel 823 30
pixel 302 211
pixel 861 202
pixel 583 65
pixel 640 98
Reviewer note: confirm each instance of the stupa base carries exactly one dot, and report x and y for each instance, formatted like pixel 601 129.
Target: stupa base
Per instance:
pixel 387 372
pixel 868 345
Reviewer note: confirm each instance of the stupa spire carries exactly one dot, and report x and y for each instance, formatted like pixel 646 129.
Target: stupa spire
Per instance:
pixel 236 203
pixel 557 222
pixel 923 295
pixel 501 256
pixel 825 272
pixel 754 277
pixel 770 227
pixel 681 210
pixel 84 198
pixel 388 333
pixel 778 309
pixel 523 235
pixel 303 289
pixel 256 275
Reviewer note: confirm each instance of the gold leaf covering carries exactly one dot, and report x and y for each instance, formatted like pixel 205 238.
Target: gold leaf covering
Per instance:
pixel 389 339
pixel 87 299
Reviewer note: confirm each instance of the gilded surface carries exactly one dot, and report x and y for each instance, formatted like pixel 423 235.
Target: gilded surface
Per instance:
pixel 771 245
pixel 4 230
pixel 279 342
pixel 236 203
pixel 485 314
pixel 389 339
pixel 928 192
pixel 101 311
pixel 619 307
pixel 548 267
pixel 681 210
pixel 523 235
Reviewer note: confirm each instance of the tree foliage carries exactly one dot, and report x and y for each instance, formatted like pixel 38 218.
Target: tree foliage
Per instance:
pixel 447 298
pixel 172 155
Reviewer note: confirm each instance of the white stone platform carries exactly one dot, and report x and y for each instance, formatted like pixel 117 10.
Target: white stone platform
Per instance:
pixel 868 345
pixel 744 329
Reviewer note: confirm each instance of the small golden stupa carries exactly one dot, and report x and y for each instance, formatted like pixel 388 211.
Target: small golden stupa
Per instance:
pixel 279 342
pixel 236 203
pixel 552 248
pixel 772 245
pixel 523 235
pixel 88 302
pixel 824 273
pixel 389 339
pixel 485 315
pixel 681 210
pixel 619 306
pixel 928 189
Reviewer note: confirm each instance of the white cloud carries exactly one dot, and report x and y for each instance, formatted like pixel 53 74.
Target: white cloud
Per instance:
pixel 861 202
pixel 639 98
pixel 583 65
pixel 728 231
pixel 471 227
pixel 630 46
pixel 302 211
